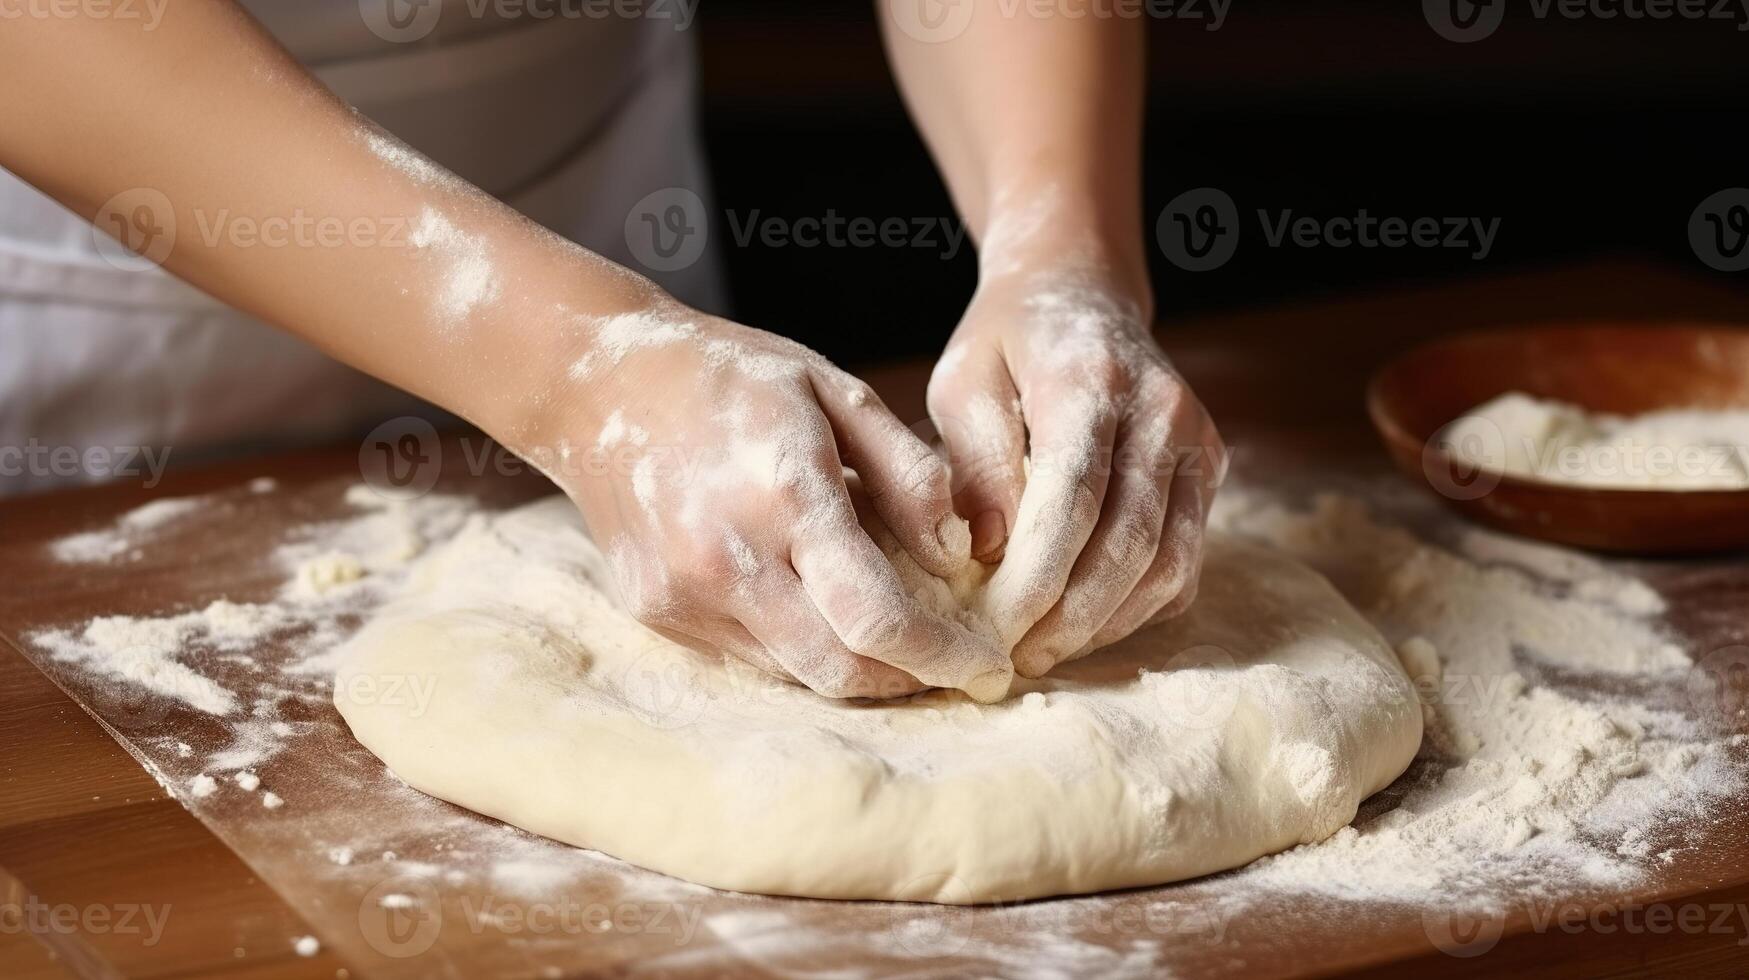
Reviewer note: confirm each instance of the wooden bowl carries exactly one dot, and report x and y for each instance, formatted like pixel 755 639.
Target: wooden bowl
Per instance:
pixel 1621 369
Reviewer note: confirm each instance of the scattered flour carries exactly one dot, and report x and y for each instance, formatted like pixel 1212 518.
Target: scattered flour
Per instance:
pixel 161 655
pixel 1561 754
pixel 1522 786
pixel 306 945
pixel 124 536
pixel 148 517
pixel 529 877
pixel 326 572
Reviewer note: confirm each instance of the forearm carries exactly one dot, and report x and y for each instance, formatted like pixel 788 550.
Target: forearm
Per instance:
pixel 288 205
pixel 1035 123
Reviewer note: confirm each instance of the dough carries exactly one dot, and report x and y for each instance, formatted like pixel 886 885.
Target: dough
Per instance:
pixel 1257 721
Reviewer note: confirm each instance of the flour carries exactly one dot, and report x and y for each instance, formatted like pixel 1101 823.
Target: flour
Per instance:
pixel 1014 224
pixel 1533 788
pixel 469 277
pixel 410 162
pixel 614 338
pixel 617 430
pixel 158 513
pixel 161 655
pixel 327 572
pixel 1554 442
pixel 125 535
pixel 529 877
pixel 174 656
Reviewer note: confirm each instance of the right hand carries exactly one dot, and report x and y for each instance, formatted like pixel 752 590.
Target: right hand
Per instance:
pixel 723 507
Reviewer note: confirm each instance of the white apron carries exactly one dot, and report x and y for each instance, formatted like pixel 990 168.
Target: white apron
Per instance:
pixel 570 120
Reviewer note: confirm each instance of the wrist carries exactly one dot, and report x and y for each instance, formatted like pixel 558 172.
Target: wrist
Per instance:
pixel 1049 235
pixel 539 378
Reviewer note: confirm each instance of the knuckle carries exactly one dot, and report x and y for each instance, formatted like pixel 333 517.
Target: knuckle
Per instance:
pixel 925 475
pixel 1106 370
pixel 873 627
pixel 705 571
pixel 838 684
pixel 651 608
pixel 1135 540
pixel 835 676
pixel 858 393
pixel 796 478
pixel 1177 603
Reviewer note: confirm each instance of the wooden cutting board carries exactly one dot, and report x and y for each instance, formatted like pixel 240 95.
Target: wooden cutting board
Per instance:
pixel 83 827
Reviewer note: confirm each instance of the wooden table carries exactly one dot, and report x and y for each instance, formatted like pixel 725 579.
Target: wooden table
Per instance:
pixel 83 826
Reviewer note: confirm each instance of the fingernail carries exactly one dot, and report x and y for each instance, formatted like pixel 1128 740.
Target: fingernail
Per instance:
pixel 989 535
pixel 955 536
pixel 990 686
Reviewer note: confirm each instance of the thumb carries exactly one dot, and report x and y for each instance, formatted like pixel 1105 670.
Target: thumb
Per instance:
pixel 976 409
pixel 901 476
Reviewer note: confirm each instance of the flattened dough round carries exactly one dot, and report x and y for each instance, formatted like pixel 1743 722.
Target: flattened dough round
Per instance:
pixel 1256 721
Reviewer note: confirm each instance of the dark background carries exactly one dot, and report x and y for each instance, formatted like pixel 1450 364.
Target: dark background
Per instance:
pixel 1585 137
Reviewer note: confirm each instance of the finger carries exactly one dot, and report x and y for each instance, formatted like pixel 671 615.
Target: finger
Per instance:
pixel 787 624
pixel 1114 560
pixel 856 589
pixel 976 410
pixel 735 640
pixel 904 479
pixel 1071 444
pixel 1170 582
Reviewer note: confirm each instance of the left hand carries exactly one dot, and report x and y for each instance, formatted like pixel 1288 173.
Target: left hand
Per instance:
pixel 1084 462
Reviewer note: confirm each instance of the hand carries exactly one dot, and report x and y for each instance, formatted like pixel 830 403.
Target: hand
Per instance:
pixel 1082 460
pixel 717 489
